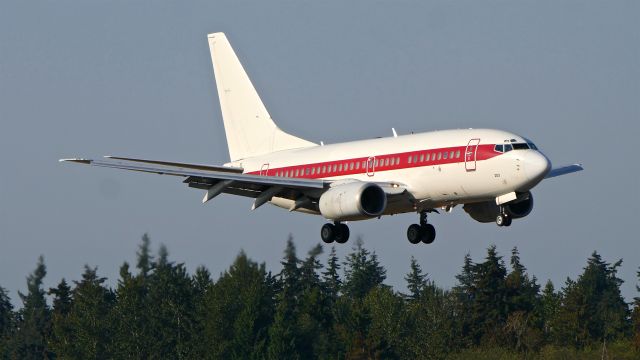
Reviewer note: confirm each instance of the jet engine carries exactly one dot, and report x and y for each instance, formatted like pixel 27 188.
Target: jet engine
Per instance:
pixel 486 212
pixel 353 201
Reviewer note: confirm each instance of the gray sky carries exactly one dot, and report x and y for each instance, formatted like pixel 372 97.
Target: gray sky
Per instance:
pixel 92 78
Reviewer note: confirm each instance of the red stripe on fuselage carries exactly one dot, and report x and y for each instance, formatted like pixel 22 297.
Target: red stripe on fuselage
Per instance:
pixel 400 161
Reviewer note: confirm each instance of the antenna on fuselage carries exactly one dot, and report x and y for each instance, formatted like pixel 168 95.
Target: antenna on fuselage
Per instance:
pixel 395 134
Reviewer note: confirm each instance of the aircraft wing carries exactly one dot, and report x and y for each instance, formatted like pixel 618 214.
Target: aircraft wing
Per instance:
pixel 220 179
pixel 563 170
pixel 216 181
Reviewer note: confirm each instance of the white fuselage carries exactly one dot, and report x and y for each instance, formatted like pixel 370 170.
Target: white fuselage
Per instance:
pixel 439 168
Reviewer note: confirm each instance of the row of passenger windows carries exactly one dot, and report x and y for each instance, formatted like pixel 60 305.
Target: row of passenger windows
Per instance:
pixel 357 165
pixel 442 155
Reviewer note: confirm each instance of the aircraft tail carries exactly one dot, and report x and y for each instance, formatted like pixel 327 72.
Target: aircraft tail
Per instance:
pixel 249 128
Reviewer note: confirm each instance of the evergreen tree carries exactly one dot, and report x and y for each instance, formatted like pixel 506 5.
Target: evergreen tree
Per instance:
pixel 330 277
pixel 240 308
pixel 416 280
pixel 172 320
pixel 62 333
pixel 636 317
pixel 6 323
pixel 202 286
pixel 34 319
pixel 90 318
pixel 363 272
pixel 464 294
pixel 489 308
pixel 549 307
pixel 593 309
pixel 145 260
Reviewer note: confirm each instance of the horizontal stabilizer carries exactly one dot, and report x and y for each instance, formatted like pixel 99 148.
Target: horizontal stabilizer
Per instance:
pixel 563 170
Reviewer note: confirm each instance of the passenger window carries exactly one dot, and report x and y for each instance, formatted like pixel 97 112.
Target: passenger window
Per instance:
pixel 375 163
pixel 335 167
pixel 324 169
pixel 421 157
pixel 415 158
pixel 398 160
pixel 297 172
pixel 439 155
pixel 306 171
pixel 445 155
pixel 357 165
pixel 457 154
pixel 409 159
pixel 351 166
pixel 427 158
pixel 451 154
pixel 340 167
pixel 313 171
pixel 386 162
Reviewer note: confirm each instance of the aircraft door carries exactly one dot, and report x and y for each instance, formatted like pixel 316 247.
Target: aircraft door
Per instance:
pixel 470 155
pixel 371 166
pixel 264 170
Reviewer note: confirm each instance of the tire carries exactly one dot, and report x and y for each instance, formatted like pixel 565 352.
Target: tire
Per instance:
pixel 342 233
pixel 508 221
pixel 414 233
pixel 429 234
pixel 328 233
pixel 501 220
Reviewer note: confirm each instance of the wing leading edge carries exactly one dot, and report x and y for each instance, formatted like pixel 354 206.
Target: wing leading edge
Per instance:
pixel 563 170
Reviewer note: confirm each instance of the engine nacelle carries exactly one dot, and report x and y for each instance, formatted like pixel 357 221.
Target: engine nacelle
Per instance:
pixel 353 201
pixel 488 211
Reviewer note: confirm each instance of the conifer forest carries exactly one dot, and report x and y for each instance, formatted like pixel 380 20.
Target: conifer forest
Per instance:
pixel 340 308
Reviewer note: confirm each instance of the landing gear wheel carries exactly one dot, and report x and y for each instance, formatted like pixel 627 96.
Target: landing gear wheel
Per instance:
pixel 501 220
pixel 428 233
pixel 414 233
pixel 342 234
pixel 328 233
pixel 508 222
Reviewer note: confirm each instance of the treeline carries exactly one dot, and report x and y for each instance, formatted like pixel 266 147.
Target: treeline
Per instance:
pixel 337 310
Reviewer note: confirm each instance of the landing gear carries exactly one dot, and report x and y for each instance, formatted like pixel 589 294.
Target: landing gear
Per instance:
pixel 423 232
pixel 337 232
pixel 503 219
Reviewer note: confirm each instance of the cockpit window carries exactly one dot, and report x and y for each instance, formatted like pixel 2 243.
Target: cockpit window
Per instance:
pixel 499 148
pixel 520 146
pixel 507 147
pixel 533 146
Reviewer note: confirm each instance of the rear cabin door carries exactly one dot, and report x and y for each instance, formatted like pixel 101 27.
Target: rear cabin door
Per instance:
pixel 470 155
pixel 264 170
pixel 371 166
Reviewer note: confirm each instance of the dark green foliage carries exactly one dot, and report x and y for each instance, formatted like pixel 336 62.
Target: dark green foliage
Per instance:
pixel 33 320
pixel 307 311
pixel 7 322
pixel 416 280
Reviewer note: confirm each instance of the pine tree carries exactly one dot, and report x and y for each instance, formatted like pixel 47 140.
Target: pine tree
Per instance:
pixel 62 334
pixel 90 317
pixel 363 272
pixel 489 308
pixel 416 280
pixel 172 320
pixel 636 317
pixel 549 307
pixel 464 294
pixel 330 277
pixel 240 309
pixel 6 323
pixel 145 260
pixel 202 286
pixel 34 319
pixel 593 310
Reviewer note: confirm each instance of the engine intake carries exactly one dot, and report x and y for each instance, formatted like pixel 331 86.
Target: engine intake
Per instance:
pixel 353 201
pixel 486 212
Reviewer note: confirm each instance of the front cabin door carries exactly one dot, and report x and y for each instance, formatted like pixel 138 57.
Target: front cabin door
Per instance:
pixel 264 170
pixel 470 155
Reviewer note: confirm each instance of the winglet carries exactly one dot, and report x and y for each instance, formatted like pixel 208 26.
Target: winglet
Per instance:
pixel 77 160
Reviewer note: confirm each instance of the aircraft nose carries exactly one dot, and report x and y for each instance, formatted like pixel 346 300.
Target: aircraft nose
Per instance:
pixel 536 166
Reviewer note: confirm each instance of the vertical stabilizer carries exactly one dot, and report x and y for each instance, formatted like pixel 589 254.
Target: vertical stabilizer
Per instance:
pixel 249 128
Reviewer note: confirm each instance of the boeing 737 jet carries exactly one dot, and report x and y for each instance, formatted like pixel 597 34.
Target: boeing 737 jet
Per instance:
pixel 489 172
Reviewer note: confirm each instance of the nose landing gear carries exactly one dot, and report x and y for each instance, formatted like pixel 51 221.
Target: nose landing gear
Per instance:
pixel 424 232
pixel 337 232
pixel 503 219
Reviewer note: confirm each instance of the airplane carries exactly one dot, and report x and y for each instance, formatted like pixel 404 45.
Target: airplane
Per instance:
pixel 489 172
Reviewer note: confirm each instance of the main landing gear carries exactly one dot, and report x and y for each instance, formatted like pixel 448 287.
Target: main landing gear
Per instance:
pixel 423 232
pixel 337 232
pixel 503 219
